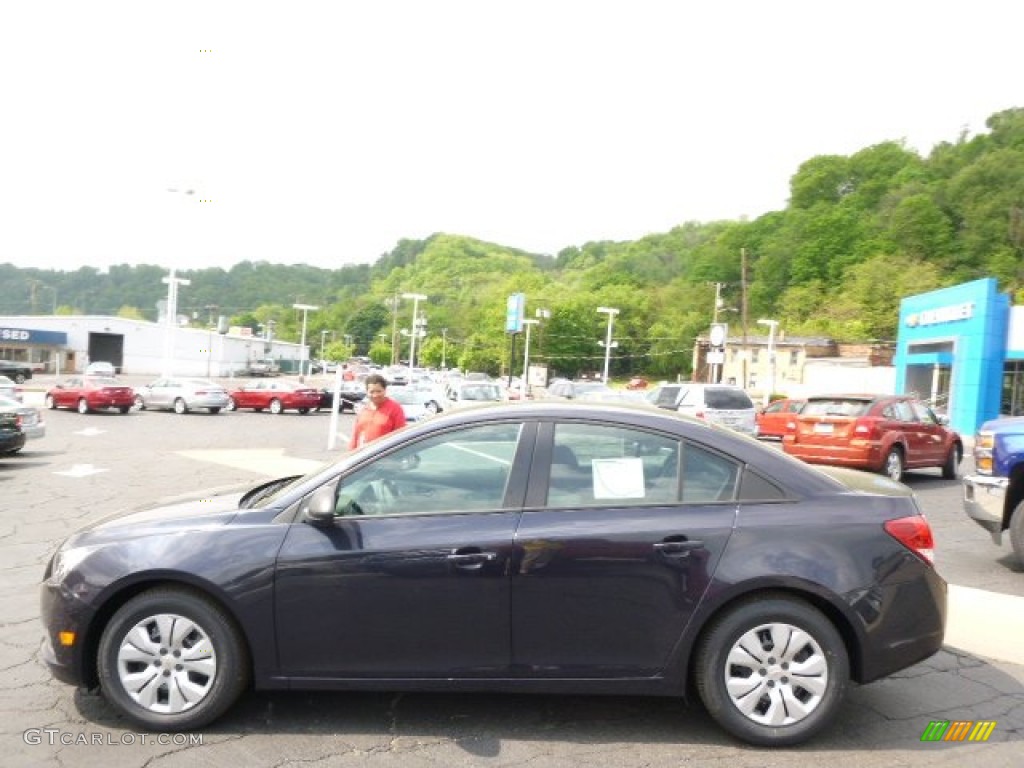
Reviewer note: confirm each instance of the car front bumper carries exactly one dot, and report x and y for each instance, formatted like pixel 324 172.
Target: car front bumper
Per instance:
pixel 984 500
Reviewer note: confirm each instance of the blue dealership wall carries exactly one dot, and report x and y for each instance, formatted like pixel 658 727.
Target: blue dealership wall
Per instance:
pixel 973 319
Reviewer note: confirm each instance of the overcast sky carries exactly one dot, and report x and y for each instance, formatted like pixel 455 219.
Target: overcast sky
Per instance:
pixel 323 132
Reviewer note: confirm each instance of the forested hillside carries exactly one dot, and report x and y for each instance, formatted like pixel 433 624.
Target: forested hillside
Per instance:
pixel 859 233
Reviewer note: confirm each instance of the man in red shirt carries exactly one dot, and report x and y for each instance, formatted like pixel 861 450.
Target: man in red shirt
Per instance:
pixel 379 416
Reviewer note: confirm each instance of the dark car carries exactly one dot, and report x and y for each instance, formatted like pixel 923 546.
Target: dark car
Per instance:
pixel 276 396
pixel 879 433
pixel 20 372
pixel 533 547
pixel 91 393
pixel 351 395
pixel 12 437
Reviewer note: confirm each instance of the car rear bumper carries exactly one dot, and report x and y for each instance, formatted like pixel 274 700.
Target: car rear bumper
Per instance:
pixel 866 456
pixel 984 500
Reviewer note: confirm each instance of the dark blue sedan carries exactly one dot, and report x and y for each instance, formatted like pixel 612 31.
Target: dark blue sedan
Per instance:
pixel 549 547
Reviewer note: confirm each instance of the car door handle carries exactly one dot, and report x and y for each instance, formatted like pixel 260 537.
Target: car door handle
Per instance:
pixel 471 561
pixel 677 548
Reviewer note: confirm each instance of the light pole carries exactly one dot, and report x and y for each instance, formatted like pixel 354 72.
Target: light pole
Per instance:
pixel 306 309
pixel 171 319
pixel 772 325
pixel 323 344
pixel 416 299
pixel 524 388
pixel 611 312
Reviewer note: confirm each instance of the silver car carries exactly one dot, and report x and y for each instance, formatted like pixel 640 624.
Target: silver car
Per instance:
pixel 182 395
pixel 9 388
pixel 32 423
pixel 718 403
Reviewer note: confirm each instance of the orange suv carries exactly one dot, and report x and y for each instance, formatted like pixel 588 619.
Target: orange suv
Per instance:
pixel 880 433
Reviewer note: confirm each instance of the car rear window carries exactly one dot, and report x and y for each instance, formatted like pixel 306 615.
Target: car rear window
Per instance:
pixel 837 406
pixel 727 399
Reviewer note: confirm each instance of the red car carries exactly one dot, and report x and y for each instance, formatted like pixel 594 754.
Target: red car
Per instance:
pixel 773 418
pixel 638 382
pixel 879 433
pixel 274 395
pixel 91 393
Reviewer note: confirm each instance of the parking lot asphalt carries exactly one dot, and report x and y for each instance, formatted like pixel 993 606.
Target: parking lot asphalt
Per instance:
pixel 89 465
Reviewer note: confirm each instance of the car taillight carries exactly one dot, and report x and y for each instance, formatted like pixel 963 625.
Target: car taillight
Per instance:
pixel 20 421
pixel 863 427
pixel 915 534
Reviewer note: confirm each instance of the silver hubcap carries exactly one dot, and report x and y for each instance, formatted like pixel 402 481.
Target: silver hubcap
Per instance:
pixel 167 663
pixel 776 674
pixel 892 466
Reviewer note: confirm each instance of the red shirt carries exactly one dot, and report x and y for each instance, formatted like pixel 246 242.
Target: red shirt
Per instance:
pixel 372 422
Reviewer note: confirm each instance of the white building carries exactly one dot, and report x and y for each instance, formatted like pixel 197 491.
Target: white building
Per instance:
pixel 67 343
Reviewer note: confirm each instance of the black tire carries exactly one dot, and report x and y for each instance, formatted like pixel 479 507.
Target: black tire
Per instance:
pixel 276 407
pixel 952 463
pixel 215 409
pixel 124 408
pixel 303 411
pixel 50 403
pixel 83 406
pixel 893 464
pixel 1017 532
pixel 156 667
pixel 19 378
pixel 180 406
pixel 232 405
pixel 789 708
pixel 140 403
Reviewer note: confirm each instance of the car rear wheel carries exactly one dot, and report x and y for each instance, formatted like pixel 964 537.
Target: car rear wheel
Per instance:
pixel 140 403
pixel 303 411
pixel 949 469
pixel 124 408
pixel 1017 532
pixel 50 403
pixel 19 378
pixel 893 465
pixel 275 406
pixel 83 406
pixel 171 660
pixel 180 406
pixel 773 671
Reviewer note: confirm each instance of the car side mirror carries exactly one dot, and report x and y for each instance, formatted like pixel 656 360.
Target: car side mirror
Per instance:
pixel 319 506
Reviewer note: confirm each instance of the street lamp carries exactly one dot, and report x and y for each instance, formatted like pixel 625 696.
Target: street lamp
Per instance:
pixel 611 312
pixel 524 388
pixel 416 299
pixel 306 308
pixel 772 325
pixel 323 344
pixel 171 319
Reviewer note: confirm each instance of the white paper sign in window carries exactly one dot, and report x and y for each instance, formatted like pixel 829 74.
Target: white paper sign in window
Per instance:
pixel 618 478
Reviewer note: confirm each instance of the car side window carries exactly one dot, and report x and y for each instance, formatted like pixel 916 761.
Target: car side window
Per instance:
pixel 708 476
pixel 600 466
pixel 902 411
pixel 465 470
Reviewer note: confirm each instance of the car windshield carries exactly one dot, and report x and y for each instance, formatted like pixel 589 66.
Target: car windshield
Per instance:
pixel 727 399
pixel 835 406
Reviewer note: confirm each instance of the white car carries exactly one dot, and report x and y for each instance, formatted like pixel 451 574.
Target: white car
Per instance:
pixel 9 388
pixel 475 392
pixel 100 368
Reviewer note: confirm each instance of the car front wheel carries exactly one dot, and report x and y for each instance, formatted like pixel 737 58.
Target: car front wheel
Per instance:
pixel 171 660
pixel 772 672
pixel 231 405
pixel 83 406
pixel 51 403
pixel 949 469
pixel 1017 532
pixel 179 406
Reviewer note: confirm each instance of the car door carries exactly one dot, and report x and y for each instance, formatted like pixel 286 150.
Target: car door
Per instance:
pixel 249 395
pixel 67 394
pixel 158 394
pixel 621 533
pixel 411 577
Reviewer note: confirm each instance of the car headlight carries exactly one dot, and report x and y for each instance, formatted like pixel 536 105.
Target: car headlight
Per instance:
pixel 66 560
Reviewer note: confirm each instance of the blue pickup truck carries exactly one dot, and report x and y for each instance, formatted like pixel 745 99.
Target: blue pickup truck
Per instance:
pixel 994 495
